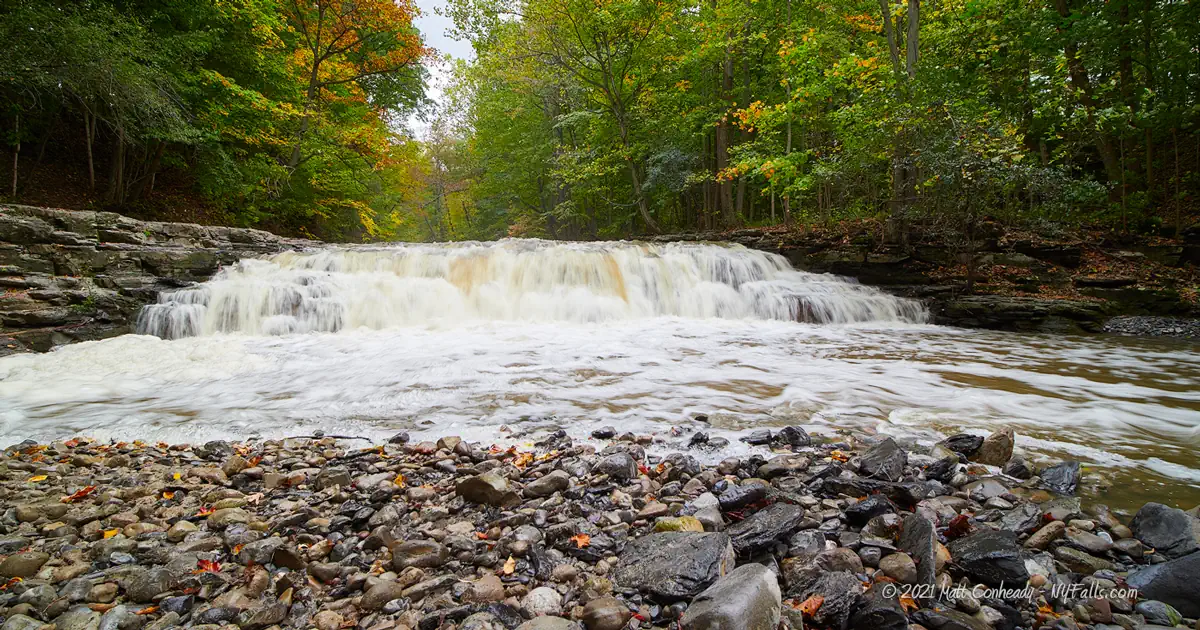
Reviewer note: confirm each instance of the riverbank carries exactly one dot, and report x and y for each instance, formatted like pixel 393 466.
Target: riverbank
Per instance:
pixel 336 533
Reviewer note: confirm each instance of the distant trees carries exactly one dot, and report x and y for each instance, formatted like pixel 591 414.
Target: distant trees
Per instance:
pixel 638 115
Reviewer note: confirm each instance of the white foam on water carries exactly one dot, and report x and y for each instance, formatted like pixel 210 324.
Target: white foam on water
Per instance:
pixel 491 341
pixel 454 284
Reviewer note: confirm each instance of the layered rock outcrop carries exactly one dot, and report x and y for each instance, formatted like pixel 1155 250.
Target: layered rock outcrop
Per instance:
pixel 70 276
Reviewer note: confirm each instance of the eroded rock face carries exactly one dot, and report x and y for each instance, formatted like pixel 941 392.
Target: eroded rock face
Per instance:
pixel 86 275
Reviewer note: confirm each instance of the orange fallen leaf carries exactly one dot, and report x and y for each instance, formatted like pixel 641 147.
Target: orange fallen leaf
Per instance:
pixel 237 549
pixel 109 533
pixel 13 582
pixel 642 469
pixel 255 461
pixel 101 608
pixel 839 456
pixel 71 443
pixel 581 540
pixel 82 494
pixel 907 602
pixel 168 495
pixel 523 460
pixel 205 511
pixel 510 565
pixel 481 535
pixel 811 605
pixel 149 610
pixel 207 566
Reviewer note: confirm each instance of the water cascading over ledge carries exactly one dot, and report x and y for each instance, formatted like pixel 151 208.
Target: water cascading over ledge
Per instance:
pixel 335 288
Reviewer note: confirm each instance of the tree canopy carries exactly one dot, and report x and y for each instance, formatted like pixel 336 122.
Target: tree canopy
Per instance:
pixel 612 118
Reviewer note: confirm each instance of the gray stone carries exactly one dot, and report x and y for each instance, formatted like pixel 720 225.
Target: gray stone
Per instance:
pixel 885 460
pixel 899 567
pixel 145 586
pixel 879 612
pixel 605 613
pixel 490 488
pixel 24 564
pixel 1172 582
pixel 963 443
pixel 1022 519
pixel 21 622
pixel 419 553
pixel 990 556
pixel 1080 561
pixel 541 601
pixel 748 598
pixel 841 591
pixel 996 448
pixel 619 465
pixel 1165 529
pixel 675 565
pixel 547 485
pixel 380 594
pixel 1158 613
pixel 1087 541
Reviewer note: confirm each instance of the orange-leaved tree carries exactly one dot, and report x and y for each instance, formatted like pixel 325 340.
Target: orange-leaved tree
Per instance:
pixel 355 50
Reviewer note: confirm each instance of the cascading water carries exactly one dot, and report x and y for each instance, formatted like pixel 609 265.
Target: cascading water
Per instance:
pixel 512 280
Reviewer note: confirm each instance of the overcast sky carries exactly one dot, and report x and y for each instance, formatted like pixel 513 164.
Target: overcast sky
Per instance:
pixel 433 27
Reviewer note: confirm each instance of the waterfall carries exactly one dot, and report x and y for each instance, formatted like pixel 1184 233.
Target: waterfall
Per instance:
pixel 448 284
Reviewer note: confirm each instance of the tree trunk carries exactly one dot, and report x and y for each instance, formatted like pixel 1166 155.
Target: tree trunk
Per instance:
pixel 16 155
pixel 893 48
pixel 1082 86
pixel 89 127
pixel 914 13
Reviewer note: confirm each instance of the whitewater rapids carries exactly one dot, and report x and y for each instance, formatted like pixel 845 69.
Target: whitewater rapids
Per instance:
pixel 334 289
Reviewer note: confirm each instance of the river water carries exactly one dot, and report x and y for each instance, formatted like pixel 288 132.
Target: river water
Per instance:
pixel 500 341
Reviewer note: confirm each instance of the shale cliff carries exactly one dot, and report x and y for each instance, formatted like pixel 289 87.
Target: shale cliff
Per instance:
pixel 71 276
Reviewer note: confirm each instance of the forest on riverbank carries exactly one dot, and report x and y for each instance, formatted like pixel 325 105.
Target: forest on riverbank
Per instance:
pixel 584 119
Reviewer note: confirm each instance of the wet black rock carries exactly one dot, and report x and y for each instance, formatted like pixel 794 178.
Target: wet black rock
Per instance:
pixel 1022 519
pixel 1016 467
pixel 991 557
pixel 904 494
pixel 757 437
pixel 604 433
pixel 919 540
pixel 942 470
pixel 840 591
pixel 1167 530
pixel 1062 478
pixel 859 513
pixel 759 531
pixel 619 465
pixel 879 612
pixel 737 497
pixel 675 565
pixel 793 436
pixel 963 443
pixel 1174 582
pixel 885 460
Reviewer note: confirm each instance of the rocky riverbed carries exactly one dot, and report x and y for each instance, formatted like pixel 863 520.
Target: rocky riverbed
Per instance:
pixel 326 532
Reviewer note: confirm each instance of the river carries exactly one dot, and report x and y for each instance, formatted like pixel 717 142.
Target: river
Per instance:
pixel 502 341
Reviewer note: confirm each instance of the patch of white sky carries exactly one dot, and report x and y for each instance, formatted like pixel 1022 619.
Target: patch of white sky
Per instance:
pixel 434 26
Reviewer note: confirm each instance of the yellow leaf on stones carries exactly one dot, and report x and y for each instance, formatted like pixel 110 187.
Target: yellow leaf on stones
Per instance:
pixel 177 476
pixel 37 478
pixel 678 524
pixel 168 495
pixel 523 459
pixel 581 540
pixel 510 565
pixel 399 481
pixel 109 533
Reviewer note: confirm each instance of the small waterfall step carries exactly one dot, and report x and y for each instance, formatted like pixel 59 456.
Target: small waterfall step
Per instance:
pixel 447 284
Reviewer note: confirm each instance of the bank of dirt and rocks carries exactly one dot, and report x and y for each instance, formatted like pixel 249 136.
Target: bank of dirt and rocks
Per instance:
pixel 71 276
pixel 332 533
